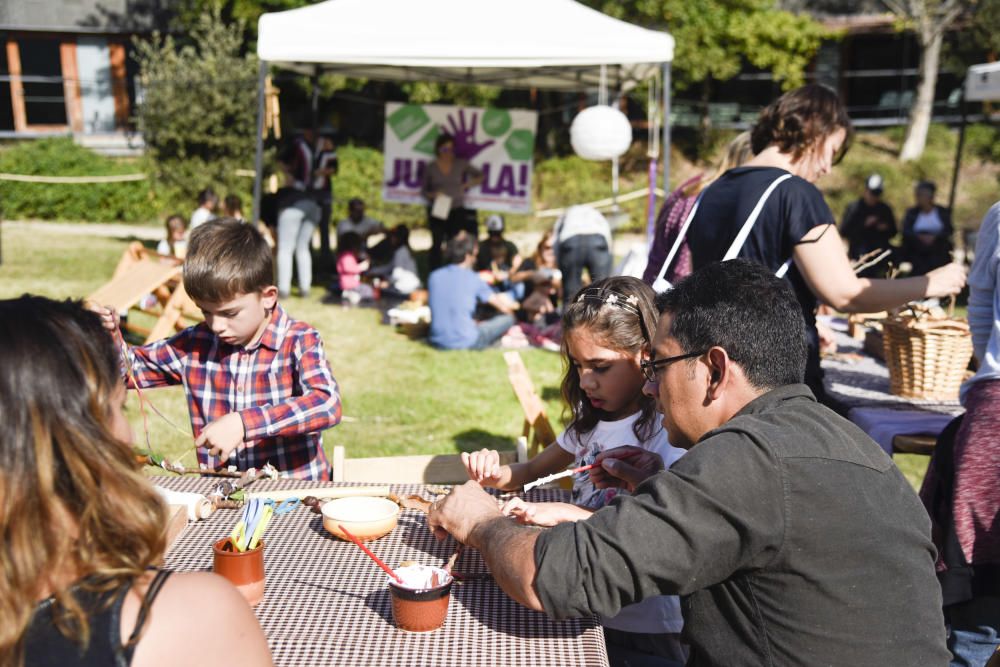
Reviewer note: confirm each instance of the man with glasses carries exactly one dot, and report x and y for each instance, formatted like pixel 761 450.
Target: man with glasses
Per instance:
pixel 790 535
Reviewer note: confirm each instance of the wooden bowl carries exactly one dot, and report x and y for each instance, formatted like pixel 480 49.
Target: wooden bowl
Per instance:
pixel 367 518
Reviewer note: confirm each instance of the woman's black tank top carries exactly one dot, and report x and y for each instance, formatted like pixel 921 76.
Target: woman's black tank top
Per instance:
pixel 45 646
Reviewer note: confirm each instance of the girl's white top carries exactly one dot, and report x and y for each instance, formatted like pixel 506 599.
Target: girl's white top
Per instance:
pixel 654 615
pixel 984 299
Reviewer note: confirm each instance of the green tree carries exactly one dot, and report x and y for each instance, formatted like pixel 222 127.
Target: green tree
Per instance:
pixel 715 38
pixel 929 20
pixel 198 109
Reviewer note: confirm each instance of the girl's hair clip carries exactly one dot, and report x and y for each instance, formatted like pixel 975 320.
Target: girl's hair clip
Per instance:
pixel 595 295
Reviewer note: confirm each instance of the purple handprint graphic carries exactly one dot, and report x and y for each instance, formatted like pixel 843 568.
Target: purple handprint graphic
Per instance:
pixel 465 136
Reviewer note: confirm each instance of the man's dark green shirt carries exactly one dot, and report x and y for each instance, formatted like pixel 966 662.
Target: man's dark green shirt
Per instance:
pixel 790 535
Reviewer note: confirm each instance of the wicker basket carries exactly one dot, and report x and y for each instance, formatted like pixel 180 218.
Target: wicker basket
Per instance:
pixel 927 358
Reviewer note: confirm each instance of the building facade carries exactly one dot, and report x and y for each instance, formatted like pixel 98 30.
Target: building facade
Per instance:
pixel 66 66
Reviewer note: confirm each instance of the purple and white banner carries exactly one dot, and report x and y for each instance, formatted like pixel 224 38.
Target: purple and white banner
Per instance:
pixel 499 142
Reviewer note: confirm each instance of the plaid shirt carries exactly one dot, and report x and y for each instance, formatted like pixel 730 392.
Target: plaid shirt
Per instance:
pixel 282 387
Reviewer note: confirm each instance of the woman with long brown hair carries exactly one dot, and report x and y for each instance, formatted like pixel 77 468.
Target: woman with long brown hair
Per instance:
pixel 81 530
pixel 769 211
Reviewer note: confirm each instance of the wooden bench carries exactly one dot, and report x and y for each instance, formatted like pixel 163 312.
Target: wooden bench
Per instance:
pixel 141 272
pixel 420 469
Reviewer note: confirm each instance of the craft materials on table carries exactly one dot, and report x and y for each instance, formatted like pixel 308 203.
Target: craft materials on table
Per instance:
pixel 326 604
pixel 558 475
pixel 421 577
pixel 322 492
pixel 197 505
pixel 368 552
pixel 252 524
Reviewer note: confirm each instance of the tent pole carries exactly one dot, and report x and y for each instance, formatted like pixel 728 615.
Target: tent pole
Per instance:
pixel 258 159
pixel 314 103
pixel 958 153
pixel 665 142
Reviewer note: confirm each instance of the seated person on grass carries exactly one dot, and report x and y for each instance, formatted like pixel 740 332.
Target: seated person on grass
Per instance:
pixel 498 256
pixel 399 274
pixel 83 529
pixel 454 292
pixel 258 384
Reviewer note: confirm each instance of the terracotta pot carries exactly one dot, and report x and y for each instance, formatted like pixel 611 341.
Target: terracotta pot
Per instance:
pixel 245 569
pixel 420 611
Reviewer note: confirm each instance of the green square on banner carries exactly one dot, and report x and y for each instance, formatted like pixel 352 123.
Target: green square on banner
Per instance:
pixel 426 143
pixel 520 144
pixel 406 120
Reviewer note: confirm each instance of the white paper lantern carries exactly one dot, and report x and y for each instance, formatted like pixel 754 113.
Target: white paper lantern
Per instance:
pixel 600 133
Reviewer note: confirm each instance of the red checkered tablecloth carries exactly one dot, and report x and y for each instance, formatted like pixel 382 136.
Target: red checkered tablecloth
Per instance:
pixel 327 604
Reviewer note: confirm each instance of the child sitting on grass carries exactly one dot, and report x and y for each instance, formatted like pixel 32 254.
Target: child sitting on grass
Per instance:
pixel 175 243
pixel 258 384
pixel 606 333
pixel 350 266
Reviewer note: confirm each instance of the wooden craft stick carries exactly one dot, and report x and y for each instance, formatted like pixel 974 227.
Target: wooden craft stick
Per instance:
pixel 279 495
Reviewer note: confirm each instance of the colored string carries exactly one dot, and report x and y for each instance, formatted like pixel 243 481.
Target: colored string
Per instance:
pixel 143 401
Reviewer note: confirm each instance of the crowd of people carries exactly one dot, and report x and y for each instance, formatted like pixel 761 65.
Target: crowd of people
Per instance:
pixel 731 516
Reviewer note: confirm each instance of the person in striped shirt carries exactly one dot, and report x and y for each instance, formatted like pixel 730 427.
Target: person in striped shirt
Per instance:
pixel 258 384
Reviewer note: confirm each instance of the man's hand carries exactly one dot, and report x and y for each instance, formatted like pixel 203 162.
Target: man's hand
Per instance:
pixel 625 467
pixel 222 436
pixel 461 511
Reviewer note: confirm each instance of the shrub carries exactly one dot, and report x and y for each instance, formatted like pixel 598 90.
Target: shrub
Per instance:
pixel 198 110
pixel 982 142
pixel 128 201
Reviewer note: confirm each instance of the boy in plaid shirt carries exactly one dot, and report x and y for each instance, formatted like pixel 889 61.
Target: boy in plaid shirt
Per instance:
pixel 258 384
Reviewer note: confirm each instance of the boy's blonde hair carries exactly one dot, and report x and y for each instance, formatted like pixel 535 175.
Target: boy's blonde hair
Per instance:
pixel 226 258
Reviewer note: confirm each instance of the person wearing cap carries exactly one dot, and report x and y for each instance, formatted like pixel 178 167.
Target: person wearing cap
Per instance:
pixel 497 254
pixel 869 224
pixel 927 232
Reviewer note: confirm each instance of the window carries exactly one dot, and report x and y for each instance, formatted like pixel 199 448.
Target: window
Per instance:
pixel 41 74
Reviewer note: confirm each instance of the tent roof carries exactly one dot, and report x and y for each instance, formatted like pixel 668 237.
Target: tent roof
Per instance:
pixel 514 43
pixel 983 82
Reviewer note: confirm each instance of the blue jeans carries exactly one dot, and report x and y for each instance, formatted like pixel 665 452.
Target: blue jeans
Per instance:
pixel 295 229
pixel 492 330
pixel 972 630
pixel 585 251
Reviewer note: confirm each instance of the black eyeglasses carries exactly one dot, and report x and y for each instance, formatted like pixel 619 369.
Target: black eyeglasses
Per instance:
pixel 651 367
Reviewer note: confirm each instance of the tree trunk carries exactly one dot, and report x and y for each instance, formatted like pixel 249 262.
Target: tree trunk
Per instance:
pixel 923 107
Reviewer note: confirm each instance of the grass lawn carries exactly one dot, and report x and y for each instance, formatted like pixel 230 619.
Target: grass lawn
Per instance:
pixel 399 396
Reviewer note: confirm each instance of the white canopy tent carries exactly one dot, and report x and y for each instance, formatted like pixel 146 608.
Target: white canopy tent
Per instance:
pixel 982 84
pixel 552 44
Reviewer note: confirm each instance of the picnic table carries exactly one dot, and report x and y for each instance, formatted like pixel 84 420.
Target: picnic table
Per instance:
pixel 861 382
pixel 325 603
